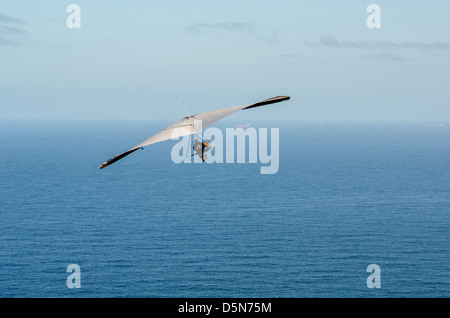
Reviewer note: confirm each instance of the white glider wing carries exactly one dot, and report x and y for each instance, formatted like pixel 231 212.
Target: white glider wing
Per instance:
pixel 185 126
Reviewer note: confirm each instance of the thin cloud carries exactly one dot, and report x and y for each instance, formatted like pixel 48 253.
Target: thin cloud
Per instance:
pixel 51 45
pixel 7 42
pixel 271 37
pixel 11 35
pixel 290 56
pixel 5 30
pixel 332 42
pixel 384 56
pixel 234 27
pixel 8 19
pixel 231 26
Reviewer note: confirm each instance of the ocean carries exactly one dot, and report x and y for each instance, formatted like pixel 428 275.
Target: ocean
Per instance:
pixel 346 195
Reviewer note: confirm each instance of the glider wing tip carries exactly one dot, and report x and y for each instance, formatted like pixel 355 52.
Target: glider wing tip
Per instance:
pixel 282 98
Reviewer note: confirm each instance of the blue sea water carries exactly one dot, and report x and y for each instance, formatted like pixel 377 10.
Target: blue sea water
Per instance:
pixel 347 195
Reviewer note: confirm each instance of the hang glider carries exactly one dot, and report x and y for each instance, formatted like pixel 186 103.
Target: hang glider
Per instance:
pixel 207 118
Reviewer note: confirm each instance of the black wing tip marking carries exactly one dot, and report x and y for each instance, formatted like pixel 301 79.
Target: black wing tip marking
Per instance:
pixel 269 101
pixel 117 158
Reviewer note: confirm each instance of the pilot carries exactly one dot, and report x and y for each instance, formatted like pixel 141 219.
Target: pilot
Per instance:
pixel 201 148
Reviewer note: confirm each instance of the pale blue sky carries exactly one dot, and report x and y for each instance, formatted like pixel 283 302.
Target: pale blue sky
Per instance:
pixel 142 59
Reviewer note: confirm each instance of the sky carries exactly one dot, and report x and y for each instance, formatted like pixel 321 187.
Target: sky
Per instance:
pixel 145 59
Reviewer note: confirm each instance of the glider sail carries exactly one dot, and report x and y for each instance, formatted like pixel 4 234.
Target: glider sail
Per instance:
pixel 207 118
